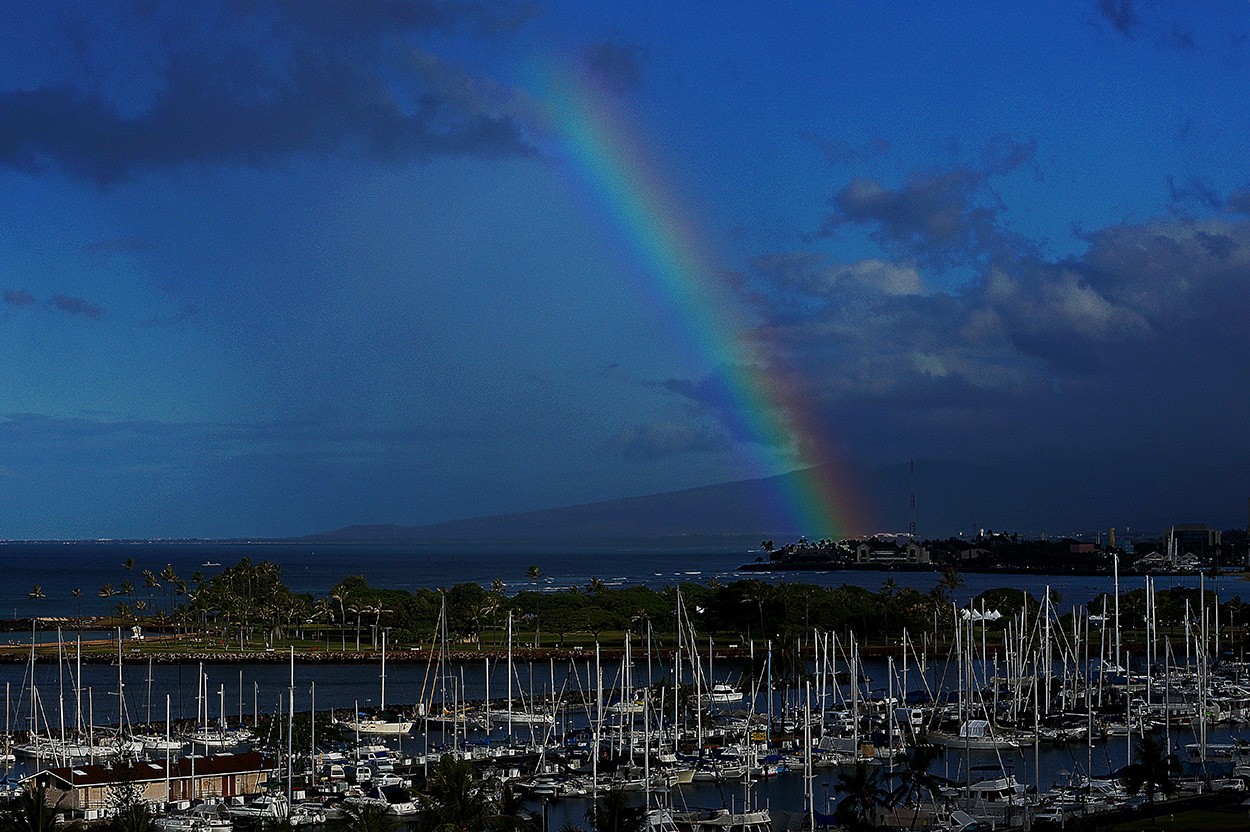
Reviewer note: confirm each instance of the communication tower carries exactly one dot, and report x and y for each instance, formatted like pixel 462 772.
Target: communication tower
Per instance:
pixel 911 504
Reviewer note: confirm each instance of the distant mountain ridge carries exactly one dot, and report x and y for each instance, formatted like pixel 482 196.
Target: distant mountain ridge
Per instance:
pixel 1046 494
pixel 735 509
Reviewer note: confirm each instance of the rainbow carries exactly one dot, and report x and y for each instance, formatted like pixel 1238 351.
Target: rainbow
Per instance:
pixel 611 160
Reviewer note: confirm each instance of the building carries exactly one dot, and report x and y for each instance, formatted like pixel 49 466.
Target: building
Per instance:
pixel 1193 539
pixel 886 554
pixel 90 788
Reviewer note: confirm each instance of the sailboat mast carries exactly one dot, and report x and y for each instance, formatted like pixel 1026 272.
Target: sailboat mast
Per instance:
pixel 290 728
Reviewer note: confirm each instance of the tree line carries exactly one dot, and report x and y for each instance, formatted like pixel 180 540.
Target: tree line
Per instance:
pixel 249 605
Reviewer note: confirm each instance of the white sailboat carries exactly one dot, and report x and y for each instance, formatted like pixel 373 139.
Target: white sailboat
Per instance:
pixel 380 725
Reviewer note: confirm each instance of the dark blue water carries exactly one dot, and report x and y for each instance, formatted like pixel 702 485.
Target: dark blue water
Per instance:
pixel 59 568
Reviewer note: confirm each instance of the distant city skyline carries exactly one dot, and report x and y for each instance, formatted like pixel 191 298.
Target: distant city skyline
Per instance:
pixel 276 268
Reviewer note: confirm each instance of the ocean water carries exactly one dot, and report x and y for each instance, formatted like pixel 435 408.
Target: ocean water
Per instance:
pixel 59 568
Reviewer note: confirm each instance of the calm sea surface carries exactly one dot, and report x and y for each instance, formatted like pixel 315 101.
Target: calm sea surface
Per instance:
pixel 60 568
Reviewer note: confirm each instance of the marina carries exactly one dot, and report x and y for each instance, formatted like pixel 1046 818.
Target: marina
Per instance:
pixel 513 416
pixel 994 720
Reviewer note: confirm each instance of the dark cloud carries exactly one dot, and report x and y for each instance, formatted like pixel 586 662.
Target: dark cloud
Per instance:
pixel 76 306
pixel 330 79
pixel 1193 191
pixel 1122 15
pixel 838 152
pixel 939 217
pixel 1107 348
pixel 1004 153
pixel 118 245
pixel 617 66
pixel 1239 201
pixel 1181 38
pixel 1219 246
pixel 661 440
pixel 935 218
pixel 18 297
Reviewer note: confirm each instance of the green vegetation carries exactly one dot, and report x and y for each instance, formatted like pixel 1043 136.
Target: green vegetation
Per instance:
pixel 247 608
pixel 30 811
pixel 455 800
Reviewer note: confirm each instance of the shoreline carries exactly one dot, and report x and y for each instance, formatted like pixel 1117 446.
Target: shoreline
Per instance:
pixel 834 566
pixel 18 655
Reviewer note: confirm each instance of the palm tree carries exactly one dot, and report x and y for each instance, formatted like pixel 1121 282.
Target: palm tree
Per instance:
pixel 613 813
pixel 888 588
pixel 322 608
pixel 1152 772
pixel 341 597
pixel 534 573
pixel 950 581
pixel 149 581
pixel 456 802
pixel 77 595
pixel 862 794
pixel 37 592
pixel 759 593
pixel 127 588
pixel 170 577
pixel 512 811
pixel 915 778
pixel 30 811
pixel 358 611
pixel 107 591
pixel 378 611
pixel 135 817
pixel 365 817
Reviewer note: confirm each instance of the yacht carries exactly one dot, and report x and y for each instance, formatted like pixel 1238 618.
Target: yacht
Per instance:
pixel 723 820
pixel 379 725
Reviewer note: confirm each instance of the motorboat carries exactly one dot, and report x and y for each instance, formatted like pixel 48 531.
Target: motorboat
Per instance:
pixel 723 820
pixel 379 725
pixel 180 823
pixel 262 807
pixel 211 817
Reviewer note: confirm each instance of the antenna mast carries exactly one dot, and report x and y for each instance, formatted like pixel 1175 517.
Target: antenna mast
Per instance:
pixel 911 505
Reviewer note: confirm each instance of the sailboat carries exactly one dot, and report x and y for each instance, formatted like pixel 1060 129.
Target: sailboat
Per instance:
pixel 380 724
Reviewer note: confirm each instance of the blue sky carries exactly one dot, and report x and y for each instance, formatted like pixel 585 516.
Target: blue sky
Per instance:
pixel 270 268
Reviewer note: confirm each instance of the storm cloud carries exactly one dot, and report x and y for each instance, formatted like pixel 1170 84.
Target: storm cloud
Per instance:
pixel 323 79
pixel 18 297
pixel 617 66
pixel 1134 319
pixel 76 306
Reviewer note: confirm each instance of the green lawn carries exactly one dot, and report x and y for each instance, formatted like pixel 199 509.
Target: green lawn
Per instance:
pixel 1233 819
